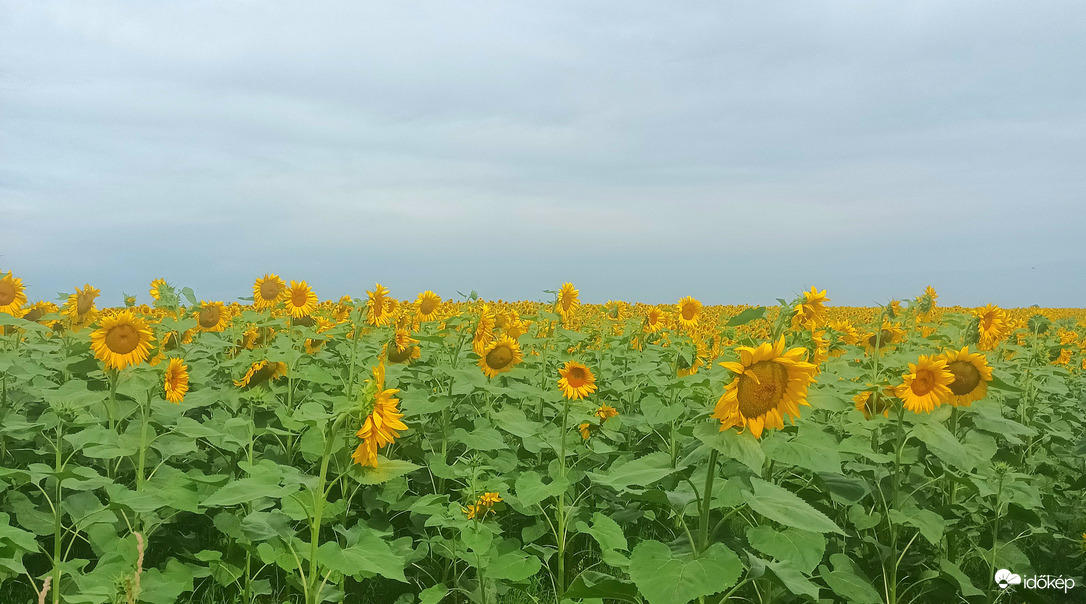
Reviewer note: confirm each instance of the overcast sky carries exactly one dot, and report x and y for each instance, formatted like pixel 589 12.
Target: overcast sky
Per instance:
pixel 737 152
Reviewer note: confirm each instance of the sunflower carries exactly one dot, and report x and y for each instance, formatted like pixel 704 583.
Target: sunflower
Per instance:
pixel 260 372
pixel 12 294
pixel 300 299
pixel 992 326
pixel 926 385
pixel 176 381
pixel 121 340
pixel 80 306
pixel 586 429
pixel 606 412
pixel 212 316
pixel 654 320
pixel 889 335
pixel 873 402
pixel 769 384
pixel 37 310
pixel 268 291
pixel 515 326
pixel 689 309
pixel 378 305
pixel 567 301
pixel 971 376
pixel 383 419
pixel 576 380
pixel 500 356
pixel 427 304
pixel 811 313
pixel 156 288
pixel 484 331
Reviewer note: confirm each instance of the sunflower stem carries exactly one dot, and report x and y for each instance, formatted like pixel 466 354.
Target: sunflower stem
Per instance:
pixel 57 511
pixel 319 499
pixel 707 500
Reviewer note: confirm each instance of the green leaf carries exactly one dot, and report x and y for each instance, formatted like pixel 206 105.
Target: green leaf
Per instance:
pixel 640 471
pixel 591 584
pixel 743 448
pixel 386 470
pixel 746 316
pixel 961 579
pixel 789 576
pixel 433 595
pixel 803 549
pixel 848 582
pixel 664 578
pixel 944 446
pixel 530 489
pixel 810 448
pixel 370 555
pixel 513 566
pixel 784 506
pixel 930 524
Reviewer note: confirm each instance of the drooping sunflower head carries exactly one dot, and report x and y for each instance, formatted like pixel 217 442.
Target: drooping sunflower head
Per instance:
pixel 268 291
pixel 37 310
pixel 176 381
pixel 992 325
pixel 810 313
pixel 971 376
pixel 427 304
pixel 606 412
pixel 689 310
pixel 769 384
pixel 484 330
pixel 382 419
pixel 300 299
pixel 212 316
pixel 875 402
pixel 576 381
pixel 887 337
pixel 261 372
pixel 157 288
pixel 12 294
pixel 121 340
pixel 926 385
pixel 500 356
pixel 378 305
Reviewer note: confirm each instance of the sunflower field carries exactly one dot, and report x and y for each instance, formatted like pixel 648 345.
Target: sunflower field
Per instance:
pixel 426 451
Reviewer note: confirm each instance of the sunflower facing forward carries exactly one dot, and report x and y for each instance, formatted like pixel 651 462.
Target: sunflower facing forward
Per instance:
pixel 121 340
pixel 268 291
pixel 992 326
pixel 212 316
pixel 971 376
pixel 576 380
pixel 689 310
pixel 383 419
pixel 500 356
pixel 176 381
pixel 426 305
pixel 769 384
pixel 926 384
pixel 654 320
pixel 300 299
pixel 378 306
pixel 12 295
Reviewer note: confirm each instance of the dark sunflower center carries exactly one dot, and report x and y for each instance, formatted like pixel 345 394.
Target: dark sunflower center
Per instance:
pixel 122 339
pixel 428 306
pixel 966 377
pixel 84 302
pixel 499 358
pixel 32 315
pixel 576 377
pixel 764 390
pixel 299 297
pixel 397 356
pixel 882 338
pixel 209 316
pixel 567 301
pixel 923 383
pixel 7 293
pixel 262 375
pixel 987 321
pixel 689 311
pixel 269 290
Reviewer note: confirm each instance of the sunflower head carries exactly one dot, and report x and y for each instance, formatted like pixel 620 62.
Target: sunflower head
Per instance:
pixel 261 372
pixel 499 356
pixel 769 384
pixel 12 294
pixel 121 340
pixel 875 402
pixel 971 376
pixel 176 381
pixel 576 380
pixel 654 319
pixel 568 301
pixel 300 299
pixel 211 316
pixel 427 305
pixel 689 310
pixel 268 291
pixel 926 385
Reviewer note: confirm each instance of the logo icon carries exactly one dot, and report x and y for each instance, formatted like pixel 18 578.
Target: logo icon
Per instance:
pixel 1005 578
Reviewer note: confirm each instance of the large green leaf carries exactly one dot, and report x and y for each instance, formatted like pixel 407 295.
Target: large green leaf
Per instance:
pixel 732 445
pixel 810 448
pixel 643 471
pixel 943 445
pixel 666 578
pixel 784 506
pixel 803 549
pixel 370 555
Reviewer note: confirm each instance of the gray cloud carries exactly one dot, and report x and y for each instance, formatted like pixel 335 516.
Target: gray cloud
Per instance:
pixel 644 151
